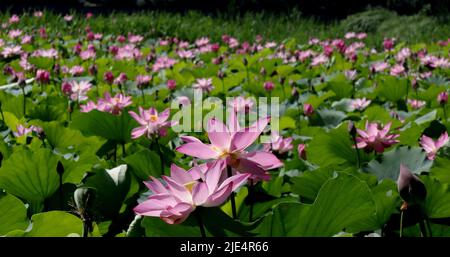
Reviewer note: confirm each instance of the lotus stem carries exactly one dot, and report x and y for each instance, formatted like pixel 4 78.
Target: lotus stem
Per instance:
pixel 143 96
pixel 430 233
pixel 232 196
pixel 24 106
pixel 158 148
pixel 401 223
pixel 423 230
pixel 200 223
pixel 250 197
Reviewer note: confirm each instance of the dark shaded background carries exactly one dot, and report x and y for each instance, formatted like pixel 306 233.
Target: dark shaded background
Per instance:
pixel 322 9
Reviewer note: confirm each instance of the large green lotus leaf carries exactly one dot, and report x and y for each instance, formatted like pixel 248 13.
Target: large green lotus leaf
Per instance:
pixel 13 214
pixel 215 221
pixel 341 202
pixel 392 88
pixel 331 118
pixel 30 174
pixel 333 147
pixel 388 167
pixel 387 202
pixel 440 170
pixel 75 168
pixel 111 187
pixel 53 224
pixel 117 128
pixel 437 202
pixel 308 184
pixel 262 208
pixel 340 86
pixel 410 134
pixel 68 140
pixel 144 164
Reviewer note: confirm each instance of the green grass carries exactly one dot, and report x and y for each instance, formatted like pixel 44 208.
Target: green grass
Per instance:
pixel 191 25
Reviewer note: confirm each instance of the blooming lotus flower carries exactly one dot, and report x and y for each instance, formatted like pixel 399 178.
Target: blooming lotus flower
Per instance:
pixel 47 53
pixel 432 147
pixel 143 81
pixel 379 66
pixel 22 130
pixel 68 18
pixel 388 43
pixel 402 55
pixel 350 74
pixel 89 106
pixel 230 143
pixel 183 100
pixel 183 191
pixel 79 90
pixel 397 70
pixel 121 79
pixel 416 104
pixel 318 60
pixel 359 104
pixel 375 138
pixel 9 51
pixel 87 54
pixel 163 62
pixel 14 19
pixel 151 122
pixel 279 144
pixel 76 70
pixel 26 39
pixel 202 41
pixel 15 33
pixel 115 104
pixel 241 104
pixel 204 84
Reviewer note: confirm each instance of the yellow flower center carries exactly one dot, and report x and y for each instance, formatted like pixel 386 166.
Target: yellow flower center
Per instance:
pixel 189 185
pixel 153 118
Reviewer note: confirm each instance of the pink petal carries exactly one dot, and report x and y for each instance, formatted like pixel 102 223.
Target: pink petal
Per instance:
pixel 198 150
pixel 266 160
pixel 189 139
pixel 218 134
pixel 219 196
pixel 137 132
pixel 180 175
pixel 245 137
pixel 137 118
pixel 200 193
pixel 213 175
pixel 237 181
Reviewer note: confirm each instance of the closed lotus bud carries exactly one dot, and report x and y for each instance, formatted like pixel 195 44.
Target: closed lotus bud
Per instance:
pixel 308 110
pixel 268 86
pixel 21 79
pixel 245 61
pixel 8 70
pixel 301 151
pixel 108 77
pixel 410 187
pixel 84 200
pixel 66 88
pixel 442 98
pixel 60 168
pixel 171 84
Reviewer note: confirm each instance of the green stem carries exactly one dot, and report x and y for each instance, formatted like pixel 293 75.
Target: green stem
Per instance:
pixel 429 227
pixel 358 157
pixel 200 223
pixel 401 223
pixel 143 96
pixel 250 196
pixel 24 102
pixel 423 230
pixel 1 111
pixel 85 228
pixel 232 196
pixel 123 150
pixel 224 92
pixel 445 112
pixel 158 148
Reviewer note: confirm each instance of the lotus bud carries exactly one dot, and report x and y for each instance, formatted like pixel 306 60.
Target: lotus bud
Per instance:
pixel 410 187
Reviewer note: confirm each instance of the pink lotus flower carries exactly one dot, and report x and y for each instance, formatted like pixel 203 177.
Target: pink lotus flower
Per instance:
pixel 108 77
pixel 397 70
pixel 9 51
pixel 38 14
pixel 279 144
pixel 301 151
pixel 402 55
pixel 26 39
pixel 15 33
pixel 308 110
pixel 202 41
pixel 79 89
pixel 359 104
pixel 113 105
pixel 204 84
pixel 143 81
pixel 183 100
pixel 230 143
pixel 47 53
pixel 375 138
pixel 442 98
pixel 68 18
pixel 151 122
pixel 87 54
pixel 269 86
pixel 432 147
pixel 163 62
pixel 42 76
pixel 76 70
pixel 183 191
pixel 171 84
pixel 350 74
pixel 319 60
pixel 241 104
pixel 416 104
pixel 121 79
pixel 89 106
pixel 388 43
pixel 22 130
pixel 379 66
pixel 14 19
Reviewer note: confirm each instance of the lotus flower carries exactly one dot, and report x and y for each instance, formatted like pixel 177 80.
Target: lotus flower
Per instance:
pixel 416 104
pixel 308 110
pixel 183 191
pixel 442 98
pixel 375 138
pixel 301 151
pixel 42 76
pixel 113 105
pixel 204 84
pixel 432 147
pixel 359 104
pixel 151 122
pixel 269 86
pixel 79 90
pixel 279 144
pixel 229 143
pixel 241 104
